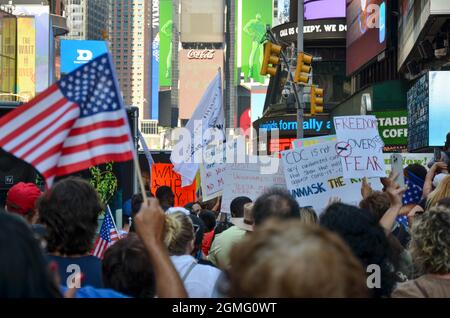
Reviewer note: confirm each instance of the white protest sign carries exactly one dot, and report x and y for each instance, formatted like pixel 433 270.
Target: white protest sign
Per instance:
pixel 359 146
pixel 246 179
pixel 314 175
pixel 212 172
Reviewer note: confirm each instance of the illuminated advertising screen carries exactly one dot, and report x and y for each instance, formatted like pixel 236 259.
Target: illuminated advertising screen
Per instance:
pixel 153 113
pixel 197 70
pixel 439 105
pixel 324 9
pixel 366 31
pixel 43 54
pixel 252 16
pixel 165 42
pixel 7 55
pixel 75 53
pixel 26 57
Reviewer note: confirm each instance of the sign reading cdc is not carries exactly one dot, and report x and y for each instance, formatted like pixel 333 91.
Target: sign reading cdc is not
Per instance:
pixel 75 53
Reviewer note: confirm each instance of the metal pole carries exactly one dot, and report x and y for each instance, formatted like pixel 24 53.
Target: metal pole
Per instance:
pixel 301 104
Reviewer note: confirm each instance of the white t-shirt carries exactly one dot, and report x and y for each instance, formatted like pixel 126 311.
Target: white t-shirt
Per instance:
pixel 201 280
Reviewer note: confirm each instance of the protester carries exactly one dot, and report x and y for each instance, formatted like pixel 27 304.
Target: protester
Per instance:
pixel 275 203
pixel 24 271
pixel 199 280
pixel 442 191
pixel 166 197
pixel 242 222
pixel 430 249
pixel 21 200
pixel 136 203
pixel 194 207
pixel 209 219
pixel 366 238
pixel 70 210
pixel 150 227
pixel 438 168
pixel 290 259
pixel 199 230
pixel 127 268
pixel 308 216
pixel 236 211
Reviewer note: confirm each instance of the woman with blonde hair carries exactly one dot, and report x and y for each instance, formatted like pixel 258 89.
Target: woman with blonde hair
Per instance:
pixel 430 251
pixel 442 191
pixel 199 280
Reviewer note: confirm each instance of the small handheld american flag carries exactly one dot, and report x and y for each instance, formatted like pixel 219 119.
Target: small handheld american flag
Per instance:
pixel 412 195
pixel 76 123
pixel 108 236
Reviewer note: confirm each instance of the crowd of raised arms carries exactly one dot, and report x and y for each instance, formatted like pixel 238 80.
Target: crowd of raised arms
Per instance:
pixel 270 247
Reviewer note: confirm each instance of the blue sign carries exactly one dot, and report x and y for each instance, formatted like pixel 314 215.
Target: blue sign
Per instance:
pixel 312 124
pixel 75 53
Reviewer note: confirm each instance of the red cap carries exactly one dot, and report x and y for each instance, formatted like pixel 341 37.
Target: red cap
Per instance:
pixel 22 197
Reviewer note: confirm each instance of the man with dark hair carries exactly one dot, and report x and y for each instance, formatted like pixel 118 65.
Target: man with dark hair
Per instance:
pixel 275 203
pixel 166 197
pixel 135 276
pixel 237 206
pixel 69 211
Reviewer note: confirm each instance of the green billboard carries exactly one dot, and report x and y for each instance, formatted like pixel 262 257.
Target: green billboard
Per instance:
pixel 252 18
pixel 393 127
pixel 165 44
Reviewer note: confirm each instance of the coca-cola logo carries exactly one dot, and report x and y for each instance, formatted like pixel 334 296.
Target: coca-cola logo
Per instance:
pixel 201 54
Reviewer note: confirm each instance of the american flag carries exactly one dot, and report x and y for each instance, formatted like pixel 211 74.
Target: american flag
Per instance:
pixel 76 123
pixel 413 193
pixel 108 236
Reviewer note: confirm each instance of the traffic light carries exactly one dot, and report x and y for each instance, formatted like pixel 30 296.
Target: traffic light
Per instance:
pixel 271 58
pixel 316 100
pixel 303 69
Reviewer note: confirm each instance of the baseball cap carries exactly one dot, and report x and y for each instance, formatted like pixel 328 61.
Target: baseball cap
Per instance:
pixel 21 198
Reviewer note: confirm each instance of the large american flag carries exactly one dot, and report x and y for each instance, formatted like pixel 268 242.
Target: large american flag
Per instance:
pixel 76 123
pixel 108 236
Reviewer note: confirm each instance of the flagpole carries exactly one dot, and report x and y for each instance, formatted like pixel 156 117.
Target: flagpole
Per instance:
pixel 139 176
pixel 112 218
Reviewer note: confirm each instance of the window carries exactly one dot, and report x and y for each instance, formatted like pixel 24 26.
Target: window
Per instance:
pixel 149 127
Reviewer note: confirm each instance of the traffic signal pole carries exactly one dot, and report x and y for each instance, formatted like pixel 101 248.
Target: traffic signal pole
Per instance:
pixel 301 103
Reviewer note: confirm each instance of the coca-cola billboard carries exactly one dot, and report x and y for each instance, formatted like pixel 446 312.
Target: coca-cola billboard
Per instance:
pixel 197 69
pixel 201 54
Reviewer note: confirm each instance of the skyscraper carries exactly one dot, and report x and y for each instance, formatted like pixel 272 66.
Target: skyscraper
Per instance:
pixel 87 20
pixel 130 38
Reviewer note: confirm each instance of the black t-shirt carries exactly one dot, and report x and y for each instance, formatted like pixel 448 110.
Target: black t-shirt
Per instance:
pixel 90 266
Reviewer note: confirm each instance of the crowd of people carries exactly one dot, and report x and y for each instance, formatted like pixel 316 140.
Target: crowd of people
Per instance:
pixel 269 247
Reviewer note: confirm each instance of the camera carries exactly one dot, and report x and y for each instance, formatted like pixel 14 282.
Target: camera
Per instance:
pixel 286 92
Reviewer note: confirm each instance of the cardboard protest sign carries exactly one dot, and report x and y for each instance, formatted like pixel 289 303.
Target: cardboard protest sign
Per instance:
pixel 246 179
pixel 212 180
pixel 314 175
pixel 306 142
pixel 163 175
pixel 359 146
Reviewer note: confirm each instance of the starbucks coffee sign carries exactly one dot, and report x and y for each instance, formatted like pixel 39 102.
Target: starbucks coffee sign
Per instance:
pixel 201 54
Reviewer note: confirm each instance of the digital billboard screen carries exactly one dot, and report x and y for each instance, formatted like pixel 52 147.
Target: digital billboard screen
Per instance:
pixel 439 104
pixel 366 31
pixel 75 53
pixel 324 9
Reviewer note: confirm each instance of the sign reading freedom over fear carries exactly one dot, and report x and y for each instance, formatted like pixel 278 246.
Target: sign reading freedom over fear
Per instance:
pixel 359 146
